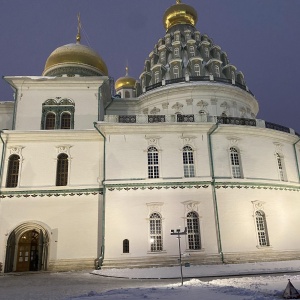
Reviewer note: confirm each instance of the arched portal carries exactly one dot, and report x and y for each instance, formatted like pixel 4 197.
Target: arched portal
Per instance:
pixel 27 248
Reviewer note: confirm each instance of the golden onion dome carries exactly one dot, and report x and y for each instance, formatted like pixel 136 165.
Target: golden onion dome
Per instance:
pixel 75 55
pixel 180 13
pixel 125 82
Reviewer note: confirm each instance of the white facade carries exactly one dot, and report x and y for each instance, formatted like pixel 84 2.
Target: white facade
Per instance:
pixel 105 186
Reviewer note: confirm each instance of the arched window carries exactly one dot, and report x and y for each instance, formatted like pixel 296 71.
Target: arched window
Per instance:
pixel 206 52
pixel 176 72
pixel 217 70
pixel 153 167
pixel 13 171
pixel 62 170
pixel 188 162
pixel 232 75
pixel 193 231
pixel 176 52
pixel 50 121
pixel 155 233
pixel 281 169
pixel 125 246
pixel 192 51
pixel 235 163
pixel 127 94
pixel 261 227
pixel 162 56
pixel 156 77
pixel 197 69
pixel 65 121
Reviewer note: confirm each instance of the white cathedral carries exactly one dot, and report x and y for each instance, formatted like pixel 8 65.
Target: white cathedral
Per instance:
pixel 96 174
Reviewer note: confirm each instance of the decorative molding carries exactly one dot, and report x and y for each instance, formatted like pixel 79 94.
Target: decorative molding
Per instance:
pixel 190 206
pixel 177 106
pixel 199 185
pixel 165 105
pixel 50 193
pixel 188 140
pixel 278 147
pixel 203 104
pixel 154 207
pixel 258 205
pixel 153 140
pixel 15 150
pixel 154 111
pixel 64 149
pixel 189 101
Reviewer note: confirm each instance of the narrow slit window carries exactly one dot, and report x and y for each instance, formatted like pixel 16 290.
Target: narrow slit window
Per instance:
pixel 50 121
pixel 13 171
pixel 126 246
pixel 153 167
pixel 261 227
pixel 65 122
pixel 193 231
pixel 62 170
pixel 188 162
pixel 235 163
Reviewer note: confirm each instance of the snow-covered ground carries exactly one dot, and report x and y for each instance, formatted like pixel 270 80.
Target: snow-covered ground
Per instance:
pixel 85 286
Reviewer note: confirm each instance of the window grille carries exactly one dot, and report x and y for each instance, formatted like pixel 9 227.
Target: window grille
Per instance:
pixel 197 70
pixel 62 170
pixel 156 77
pixel 65 122
pixel 176 52
pixel 235 163
pixel 125 246
pixel 206 52
pixel 280 167
pixel 176 72
pixel 13 171
pixel 192 51
pixel 155 233
pixel 50 121
pixel 261 227
pixel 217 71
pixel 127 94
pixel 188 162
pixel 153 167
pixel 193 231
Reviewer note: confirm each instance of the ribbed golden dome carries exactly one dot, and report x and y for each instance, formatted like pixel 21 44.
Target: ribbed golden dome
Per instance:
pixel 75 55
pixel 125 82
pixel 180 13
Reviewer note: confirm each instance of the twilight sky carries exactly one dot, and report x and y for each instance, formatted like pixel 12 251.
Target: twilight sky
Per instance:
pixel 261 38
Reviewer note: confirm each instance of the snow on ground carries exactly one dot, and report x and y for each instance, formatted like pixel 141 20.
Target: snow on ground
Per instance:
pixel 256 287
pixel 100 286
pixel 248 288
pixel 205 270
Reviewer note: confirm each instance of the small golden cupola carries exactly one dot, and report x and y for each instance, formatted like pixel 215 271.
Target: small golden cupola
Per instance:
pixel 125 86
pixel 179 13
pixel 75 60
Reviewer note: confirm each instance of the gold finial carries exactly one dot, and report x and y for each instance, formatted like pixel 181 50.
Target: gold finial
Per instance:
pixel 178 1
pixel 78 36
pixel 126 70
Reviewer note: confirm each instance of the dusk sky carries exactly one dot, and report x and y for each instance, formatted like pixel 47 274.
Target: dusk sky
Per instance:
pixel 260 37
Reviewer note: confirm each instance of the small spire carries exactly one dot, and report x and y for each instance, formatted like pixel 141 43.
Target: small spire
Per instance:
pixel 126 70
pixel 78 36
pixel 178 1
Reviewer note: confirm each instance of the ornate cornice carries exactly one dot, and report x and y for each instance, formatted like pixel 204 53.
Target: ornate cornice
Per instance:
pixel 201 184
pixel 50 193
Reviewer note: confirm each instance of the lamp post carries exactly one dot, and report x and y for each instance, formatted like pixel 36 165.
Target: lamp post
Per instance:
pixel 179 234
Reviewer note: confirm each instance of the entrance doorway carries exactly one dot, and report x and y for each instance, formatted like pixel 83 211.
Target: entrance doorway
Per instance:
pixel 28 252
pixel 27 249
